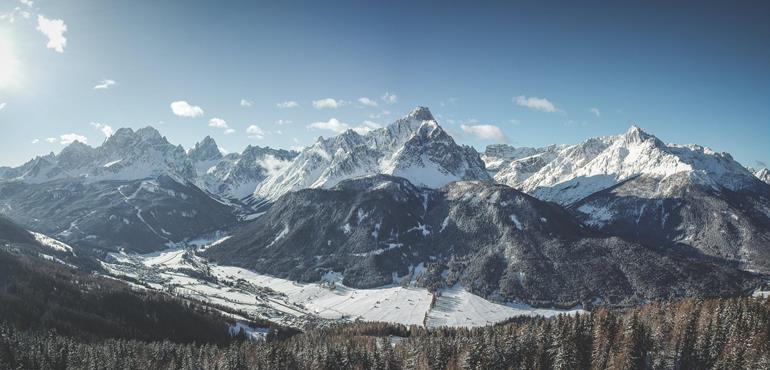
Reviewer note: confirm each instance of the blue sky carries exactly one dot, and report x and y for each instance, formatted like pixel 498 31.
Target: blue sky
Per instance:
pixel 688 72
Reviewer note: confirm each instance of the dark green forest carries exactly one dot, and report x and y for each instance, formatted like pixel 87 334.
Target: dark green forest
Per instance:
pixel 690 334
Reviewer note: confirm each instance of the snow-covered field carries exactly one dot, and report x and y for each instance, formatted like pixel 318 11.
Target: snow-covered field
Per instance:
pixel 298 304
pixel 457 307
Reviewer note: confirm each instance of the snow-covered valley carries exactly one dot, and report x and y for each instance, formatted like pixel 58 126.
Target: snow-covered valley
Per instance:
pixel 181 272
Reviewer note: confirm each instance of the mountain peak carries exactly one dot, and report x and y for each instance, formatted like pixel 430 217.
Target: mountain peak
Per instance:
pixel 763 174
pixel 205 150
pixel 636 134
pixel 421 113
pixel 149 133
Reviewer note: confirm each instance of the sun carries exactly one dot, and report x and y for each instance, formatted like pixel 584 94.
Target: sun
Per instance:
pixel 10 66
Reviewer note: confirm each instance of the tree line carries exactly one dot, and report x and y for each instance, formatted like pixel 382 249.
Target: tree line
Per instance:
pixel 688 334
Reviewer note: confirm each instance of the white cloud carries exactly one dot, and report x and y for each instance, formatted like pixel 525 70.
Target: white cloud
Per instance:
pixel 328 103
pixel 246 103
pixel 104 84
pixel 67 139
pixel 595 111
pixel 541 104
pixel 2 105
pixel 35 141
pixel 389 98
pixel 367 126
pixel 229 131
pixel 11 16
pixel 272 164
pixel 54 30
pixel 449 101
pixel 287 104
pixel 255 132
pixel 282 122
pixel 338 127
pixel 218 123
pixel 50 140
pixel 183 109
pixel 332 125
pixel 28 3
pixel 485 132
pixel 367 102
pixel 105 129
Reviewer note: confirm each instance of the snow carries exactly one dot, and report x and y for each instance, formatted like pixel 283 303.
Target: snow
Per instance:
pixel 516 222
pixel 457 307
pixel 597 215
pixel 291 303
pixel 111 163
pixel 423 229
pixel 375 252
pixel 51 242
pixel 280 236
pixel 567 174
pixel 254 334
pixel 414 147
pixel 252 216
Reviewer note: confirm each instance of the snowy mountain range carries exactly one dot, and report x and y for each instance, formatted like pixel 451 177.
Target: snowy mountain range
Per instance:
pixel 414 147
pixel 511 223
pixel 566 174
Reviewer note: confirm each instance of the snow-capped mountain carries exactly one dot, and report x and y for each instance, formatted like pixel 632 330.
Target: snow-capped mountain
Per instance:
pixel 566 174
pixel 414 147
pixel 763 174
pixel 126 155
pixel 135 191
pixel 517 164
pixel 635 186
pixel 237 175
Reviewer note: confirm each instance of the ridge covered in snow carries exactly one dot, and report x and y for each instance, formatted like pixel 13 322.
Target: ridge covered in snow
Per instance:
pixel 144 154
pixel 414 147
pixel 566 174
pixel 763 174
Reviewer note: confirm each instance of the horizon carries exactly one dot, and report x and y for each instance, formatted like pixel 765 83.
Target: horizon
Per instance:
pixel 280 75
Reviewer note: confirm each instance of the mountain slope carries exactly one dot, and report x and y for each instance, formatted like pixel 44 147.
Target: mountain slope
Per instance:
pixel 136 191
pixel 492 239
pixel 764 175
pixel 414 147
pixel 733 225
pixel 139 215
pixel 635 186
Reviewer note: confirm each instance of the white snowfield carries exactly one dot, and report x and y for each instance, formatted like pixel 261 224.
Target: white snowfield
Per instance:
pixel 296 304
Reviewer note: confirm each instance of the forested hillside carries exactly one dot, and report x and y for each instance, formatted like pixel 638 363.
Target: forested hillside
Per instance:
pixel 690 334
pixel 40 295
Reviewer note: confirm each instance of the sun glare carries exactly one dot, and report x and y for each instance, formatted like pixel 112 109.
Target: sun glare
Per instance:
pixel 10 66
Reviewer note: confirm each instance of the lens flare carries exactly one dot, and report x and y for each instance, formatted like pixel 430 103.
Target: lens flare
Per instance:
pixel 10 66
